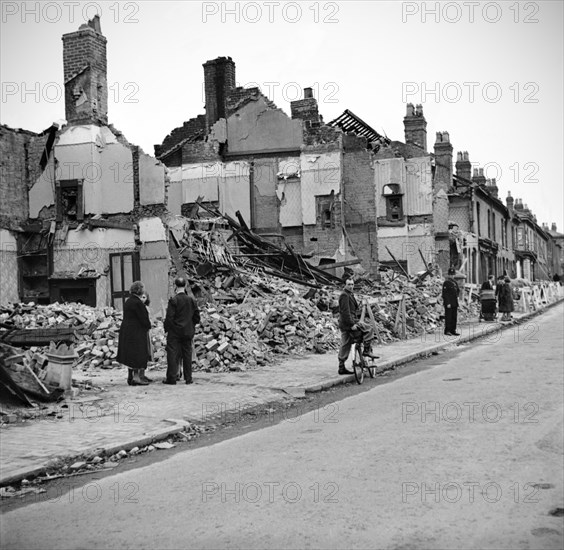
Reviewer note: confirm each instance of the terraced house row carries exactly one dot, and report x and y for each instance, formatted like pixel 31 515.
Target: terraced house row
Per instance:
pixel 84 212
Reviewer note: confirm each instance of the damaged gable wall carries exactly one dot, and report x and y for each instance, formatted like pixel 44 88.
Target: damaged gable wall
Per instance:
pixel 256 127
pixel 95 188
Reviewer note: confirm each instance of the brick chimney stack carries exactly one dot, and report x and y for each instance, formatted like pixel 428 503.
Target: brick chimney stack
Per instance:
pixel 492 187
pixel 479 177
pixel 463 166
pixel 509 201
pixel 443 162
pixel 85 74
pixel 305 109
pixel 415 126
pixel 219 80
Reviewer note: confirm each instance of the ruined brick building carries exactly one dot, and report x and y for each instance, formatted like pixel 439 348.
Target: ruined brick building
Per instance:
pixel 308 182
pixel 412 206
pixel 82 209
pixel 83 212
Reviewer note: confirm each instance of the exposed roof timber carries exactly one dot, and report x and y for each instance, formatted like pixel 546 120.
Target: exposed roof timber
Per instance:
pixel 349 122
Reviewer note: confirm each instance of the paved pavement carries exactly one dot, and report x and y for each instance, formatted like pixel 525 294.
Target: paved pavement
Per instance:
pixel 123 417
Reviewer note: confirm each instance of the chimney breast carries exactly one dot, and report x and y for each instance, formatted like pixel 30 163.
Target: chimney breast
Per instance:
pixel 443 162
pixel 415 126
pixel 219 80
pixel 479 177
pixel 85 74
pixel 463 165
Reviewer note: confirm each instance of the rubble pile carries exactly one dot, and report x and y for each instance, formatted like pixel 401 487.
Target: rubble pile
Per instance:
pixel 423 304
pixel 246 314
pixel 238 330
pixel 94 330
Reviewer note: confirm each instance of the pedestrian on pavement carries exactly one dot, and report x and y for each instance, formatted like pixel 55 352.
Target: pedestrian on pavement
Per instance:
pixel 505 299
pixel 182 316
pixel 132 345
pixel 351 327
pixel 490 283
pixel 147 301
pixel 488 300
pixel 450 300
pixel 499 283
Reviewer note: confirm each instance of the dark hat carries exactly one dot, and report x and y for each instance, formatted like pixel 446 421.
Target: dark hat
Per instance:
pixel 451 271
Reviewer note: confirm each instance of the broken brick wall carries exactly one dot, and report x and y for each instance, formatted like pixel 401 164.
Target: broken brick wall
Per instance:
pixel 359 201
pixel 193 127
pixel 20 152
pixel 258 128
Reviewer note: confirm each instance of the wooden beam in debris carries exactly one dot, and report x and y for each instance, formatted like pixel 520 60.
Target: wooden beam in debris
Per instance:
pixel 40 336
pixel 399 265
pixel 175 255
pixel 253 243
pixel 345 263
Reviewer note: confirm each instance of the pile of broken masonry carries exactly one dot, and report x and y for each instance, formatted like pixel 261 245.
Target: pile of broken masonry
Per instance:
pixel 244 326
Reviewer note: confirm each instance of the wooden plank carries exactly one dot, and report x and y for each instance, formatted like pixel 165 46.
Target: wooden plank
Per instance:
pixel 399 265
pixel 323 267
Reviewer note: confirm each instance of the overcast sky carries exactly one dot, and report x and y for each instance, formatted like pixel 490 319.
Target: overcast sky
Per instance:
pixel 489 73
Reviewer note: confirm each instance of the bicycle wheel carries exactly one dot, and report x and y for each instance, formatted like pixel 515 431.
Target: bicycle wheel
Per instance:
pixel 358 364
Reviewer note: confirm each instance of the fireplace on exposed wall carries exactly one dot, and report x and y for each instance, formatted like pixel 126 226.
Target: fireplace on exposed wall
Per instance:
pixel 80 290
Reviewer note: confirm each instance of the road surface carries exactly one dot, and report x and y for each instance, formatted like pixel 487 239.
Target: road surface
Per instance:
pixel 467 454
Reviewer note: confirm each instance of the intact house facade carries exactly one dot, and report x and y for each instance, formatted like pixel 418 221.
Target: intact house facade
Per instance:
pixel 555 250
pixel 83 211
pixel 531 245
pixel 303 182
pixel 480 225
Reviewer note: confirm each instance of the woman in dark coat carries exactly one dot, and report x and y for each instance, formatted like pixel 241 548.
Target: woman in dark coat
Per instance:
pixel 505 297
pixel 133 334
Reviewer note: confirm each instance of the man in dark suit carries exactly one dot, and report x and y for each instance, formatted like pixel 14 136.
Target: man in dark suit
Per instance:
pixel 450 300
pixel 182 316
pixel 351 327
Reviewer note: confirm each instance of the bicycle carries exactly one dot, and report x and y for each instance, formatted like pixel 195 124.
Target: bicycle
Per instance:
pixel 360 363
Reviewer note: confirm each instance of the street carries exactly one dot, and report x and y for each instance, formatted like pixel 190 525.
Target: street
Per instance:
pixel 464 454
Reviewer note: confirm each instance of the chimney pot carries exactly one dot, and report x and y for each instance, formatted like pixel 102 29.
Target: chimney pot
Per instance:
pixel 554 227
pixel 308 92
